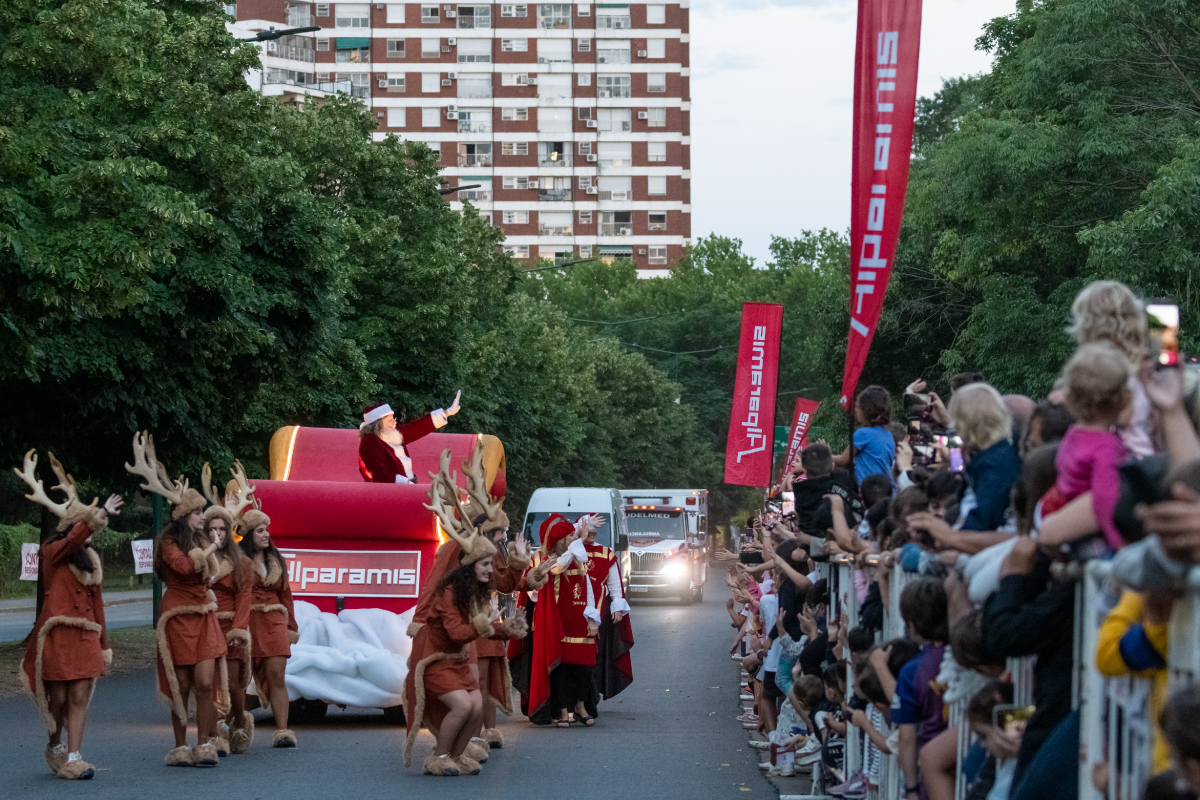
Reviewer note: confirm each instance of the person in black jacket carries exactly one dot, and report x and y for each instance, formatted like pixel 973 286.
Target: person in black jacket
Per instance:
pixel 1031 615
pixel 812 507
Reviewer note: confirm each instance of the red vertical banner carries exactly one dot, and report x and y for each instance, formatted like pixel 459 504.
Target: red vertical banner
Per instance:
pixel 748 449
pixel 885 99
pixel 801 420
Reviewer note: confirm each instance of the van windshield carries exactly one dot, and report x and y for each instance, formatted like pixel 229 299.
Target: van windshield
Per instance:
pixel 663 524
pixel 533 526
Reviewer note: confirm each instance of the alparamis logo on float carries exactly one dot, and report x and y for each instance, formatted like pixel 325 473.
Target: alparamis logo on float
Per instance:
pixel 354 573
pixel 753 430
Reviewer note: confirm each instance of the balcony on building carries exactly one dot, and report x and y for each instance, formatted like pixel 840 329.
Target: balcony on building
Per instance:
pixel 475 88
pixel 554 195
pixel 475 154
pixel 298 15
pixel 613 18
pixel 554 154
pixel 353 50
pixel 554 16
pixel 474 17
pixel 613 86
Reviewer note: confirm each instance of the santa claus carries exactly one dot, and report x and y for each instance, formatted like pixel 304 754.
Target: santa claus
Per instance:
pixel 382 457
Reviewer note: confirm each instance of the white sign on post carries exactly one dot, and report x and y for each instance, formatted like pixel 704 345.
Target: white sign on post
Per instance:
pixel 143 556
pixel 29 561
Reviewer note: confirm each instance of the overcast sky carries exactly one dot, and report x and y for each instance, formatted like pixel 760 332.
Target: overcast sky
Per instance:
pixel 771 107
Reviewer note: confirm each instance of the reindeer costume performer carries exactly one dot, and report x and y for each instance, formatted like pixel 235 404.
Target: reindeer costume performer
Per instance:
pixel 68 648
pixel 234 589
pixel 190 642
pixel 439 670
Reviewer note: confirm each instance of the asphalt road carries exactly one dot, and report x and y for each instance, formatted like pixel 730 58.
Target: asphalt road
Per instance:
pixel 16 625
pixel 671 734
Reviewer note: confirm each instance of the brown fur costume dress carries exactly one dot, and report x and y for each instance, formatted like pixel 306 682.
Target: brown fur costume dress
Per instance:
pixel 69 641
pixel 188 630
pixel 273 628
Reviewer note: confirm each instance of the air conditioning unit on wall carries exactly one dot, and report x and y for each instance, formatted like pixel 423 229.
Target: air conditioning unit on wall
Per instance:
pixel 452 75
pixel 591 123
pixel 643 115
pixel 445 48
pixel 641 251
pixel 451 115
pixel 593 190
pixel 451 14
pixel 383 84
pixel 452 41
pixel 446 82
pixel 641 53
pixel 535 185
pixel 592 158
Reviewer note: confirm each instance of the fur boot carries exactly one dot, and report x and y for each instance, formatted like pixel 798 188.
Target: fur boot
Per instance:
pixel 221 743
pixel 494 737
pixel 206 754
pixel 442 766
pixel 478 750
pixel 223 729
pixel 248 726
pixel 241 738
pixel 56 757
pixel 77 770
pixel 181 757
pixel 468 765
pixel 284 737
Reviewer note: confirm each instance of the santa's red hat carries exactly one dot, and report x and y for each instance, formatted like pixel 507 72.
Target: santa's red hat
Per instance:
pixel 375 413
pixel 554 530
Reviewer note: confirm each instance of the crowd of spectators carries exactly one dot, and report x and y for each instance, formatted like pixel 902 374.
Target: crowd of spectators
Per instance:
pixel 988 506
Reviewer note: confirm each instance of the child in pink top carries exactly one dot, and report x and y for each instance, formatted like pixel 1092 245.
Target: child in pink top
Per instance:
pixel 1091 453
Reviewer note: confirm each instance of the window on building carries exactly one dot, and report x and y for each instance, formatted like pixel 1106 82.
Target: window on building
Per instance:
pixel 585 45
pixel 613 119
pixel 431 48
pixel 586 182
pixel 514 79
pixel 658 255
pixel 395 47
pixel 353 15
pixel 656 221
pixel 514 114
pixel 475 86
pixel 615 154
pixel 656 15
pixel 474 51
pixel 656 82
pixel 298 15
pixel 585 251
pixel 516 182
pixel 656 117
pixel 612 16
pixel 656 185
pixel 585 148
pixel 322 45
pixel 656 48
pixel 612 51
pixel 322 9
pixel 395 82
pixel 585 79
pixel 429 14
pixel 554 85
pixel 554 223
pixel 294 48
pixel 514 11
pixel 515 148
pixel 431 82
pixel 616 223
pixel 517 250
pixel 475 154
pixel 656 151
pixel 616 187
pixel 554 154
pixel 585 217
pixel 395 117
pixel 322 77
pixel 554 16
pixel 395 13
pixel 554 120
pixel 608 86
pixel 474 16
pixel 353 50
pixel 551 51
pixel 584 10
pixel 431 118
pixel 516 217
pixel 514 45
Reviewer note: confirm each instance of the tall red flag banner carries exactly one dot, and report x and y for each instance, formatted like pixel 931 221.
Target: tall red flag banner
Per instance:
pixel 885 98
pixel 748 449
pixel 801 420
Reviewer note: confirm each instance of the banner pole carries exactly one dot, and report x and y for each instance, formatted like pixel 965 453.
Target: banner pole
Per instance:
pixel 156 584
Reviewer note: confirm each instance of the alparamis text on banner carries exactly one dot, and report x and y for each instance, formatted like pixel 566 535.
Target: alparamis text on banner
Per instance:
pixel 748 449
pixel 801 420
pixel 885 97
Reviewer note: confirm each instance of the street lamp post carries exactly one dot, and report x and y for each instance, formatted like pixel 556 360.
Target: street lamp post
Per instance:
pixel 271 34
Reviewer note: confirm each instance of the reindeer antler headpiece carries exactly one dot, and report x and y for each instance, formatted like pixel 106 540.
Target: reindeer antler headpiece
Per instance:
pixel 155 478
pixel 443 495
pixel 70 512
pixel 239 505
pixel 484 510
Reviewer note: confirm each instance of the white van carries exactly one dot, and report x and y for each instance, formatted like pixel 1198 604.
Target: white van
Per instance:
pixel 574 502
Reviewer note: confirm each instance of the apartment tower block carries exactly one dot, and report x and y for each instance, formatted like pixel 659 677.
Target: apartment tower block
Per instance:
pixel 572 118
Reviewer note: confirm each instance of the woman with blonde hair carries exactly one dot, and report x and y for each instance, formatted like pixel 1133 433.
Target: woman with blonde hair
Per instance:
pixel 979 416
pixel 1108 311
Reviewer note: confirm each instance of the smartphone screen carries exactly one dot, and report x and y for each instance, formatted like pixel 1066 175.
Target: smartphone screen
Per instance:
pixel 1163 320
pixel 956 461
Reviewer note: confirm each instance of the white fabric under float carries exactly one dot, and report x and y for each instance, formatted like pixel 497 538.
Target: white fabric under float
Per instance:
pixel 358 657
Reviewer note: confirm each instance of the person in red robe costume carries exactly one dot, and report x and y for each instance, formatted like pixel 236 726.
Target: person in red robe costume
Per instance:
pixel 614 668
pixel 382 456
pixel 555 663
